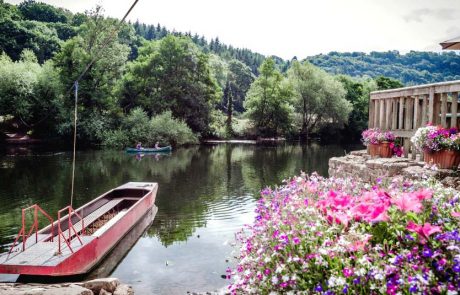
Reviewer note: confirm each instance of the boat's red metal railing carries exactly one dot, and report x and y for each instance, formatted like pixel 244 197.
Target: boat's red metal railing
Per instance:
pixel 22 233
pixel 70 228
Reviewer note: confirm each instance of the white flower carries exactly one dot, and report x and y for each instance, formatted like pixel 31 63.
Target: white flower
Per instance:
pixel 275 280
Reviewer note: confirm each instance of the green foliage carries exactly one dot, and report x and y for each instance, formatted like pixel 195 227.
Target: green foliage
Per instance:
pixel 42 12
pixel 319 98
pixel 168 130
pixel 31 93
pixel 384 83
pixel 358 91
pixel 96 102
pixel 137 127
pixel 268 101
pixel 172 74
pixel 411 68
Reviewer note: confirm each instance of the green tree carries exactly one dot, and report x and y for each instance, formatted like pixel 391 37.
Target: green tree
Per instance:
pixel 98 41
pixel 319 98
pixel 268 101
pixel 358 91
pixel 384 83
pixel 172 74
pixel 31 93
pixel 42 12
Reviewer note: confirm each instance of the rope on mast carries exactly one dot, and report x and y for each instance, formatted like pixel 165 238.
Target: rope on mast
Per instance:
pixel 75 86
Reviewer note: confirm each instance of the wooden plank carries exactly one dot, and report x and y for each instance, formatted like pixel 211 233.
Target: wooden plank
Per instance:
pixel 394 119
pixel 388 110
pixel 370 123
pixel 416 112
pixel 382 114
pixel 409 114
pixel 443 87
pixel 453 120
pixel 401 113
pixel 443 109
pixel 431 107
pixel 376 113
pixel 424 110
pixel 406 145
pixel 413 152
pixel 437 109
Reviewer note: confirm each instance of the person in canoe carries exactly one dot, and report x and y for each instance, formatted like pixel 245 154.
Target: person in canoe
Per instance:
pixel 139 146
pixel 157 145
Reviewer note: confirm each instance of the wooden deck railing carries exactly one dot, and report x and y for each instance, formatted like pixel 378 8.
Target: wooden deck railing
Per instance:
pixel 404 110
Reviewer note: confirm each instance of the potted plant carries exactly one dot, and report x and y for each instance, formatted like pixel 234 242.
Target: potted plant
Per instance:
pixel 440 146
pixel 378 142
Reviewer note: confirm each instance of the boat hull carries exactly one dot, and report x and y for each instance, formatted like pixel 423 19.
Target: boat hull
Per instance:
pixel 91 253
pixel 165 149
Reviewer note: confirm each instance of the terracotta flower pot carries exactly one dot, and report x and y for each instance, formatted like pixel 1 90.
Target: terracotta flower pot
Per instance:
pixel 444 159
pixel 373 150
pixel 385 150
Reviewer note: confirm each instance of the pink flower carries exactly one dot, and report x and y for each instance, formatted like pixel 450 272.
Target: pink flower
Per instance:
pixel 424 194
pixel 408 202
pixel 455 214
pixel 424 231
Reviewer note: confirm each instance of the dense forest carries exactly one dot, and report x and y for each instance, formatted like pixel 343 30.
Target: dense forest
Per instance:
pixel 146 83
pixel 412 68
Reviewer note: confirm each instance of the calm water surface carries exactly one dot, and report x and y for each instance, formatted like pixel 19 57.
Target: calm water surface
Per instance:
pixel 206 194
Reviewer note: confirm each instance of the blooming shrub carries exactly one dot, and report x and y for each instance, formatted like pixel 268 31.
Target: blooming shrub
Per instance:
pixel 375 136
pixel 396 148
pixel 435 138
pixel 336 236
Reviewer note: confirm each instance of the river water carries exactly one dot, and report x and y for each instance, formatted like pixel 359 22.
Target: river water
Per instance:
pixel 206 194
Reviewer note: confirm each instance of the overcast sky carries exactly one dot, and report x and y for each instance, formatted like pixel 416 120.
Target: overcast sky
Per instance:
pixel 298 27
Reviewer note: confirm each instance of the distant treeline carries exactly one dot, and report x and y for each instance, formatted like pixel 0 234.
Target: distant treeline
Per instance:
pixel 412 68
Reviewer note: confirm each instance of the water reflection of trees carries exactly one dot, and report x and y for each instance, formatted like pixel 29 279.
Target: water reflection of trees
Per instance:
pixel 192 181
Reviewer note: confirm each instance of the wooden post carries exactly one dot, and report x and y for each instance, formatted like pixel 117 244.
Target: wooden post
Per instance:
pixel 394 119
pixel 424 110
pixel 389 109
pixel 401 113
pixel 382 114
pixel 406 145
pixel 437 109
pixel 453 119
pixel 443 109
pixel 416 112
pixel 409 114
pixel 376 113
pixel 431 107
pixel 370 123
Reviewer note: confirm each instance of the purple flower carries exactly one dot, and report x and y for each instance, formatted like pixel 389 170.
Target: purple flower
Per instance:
pixel 413 289
pixel 427 253
pixel 319 288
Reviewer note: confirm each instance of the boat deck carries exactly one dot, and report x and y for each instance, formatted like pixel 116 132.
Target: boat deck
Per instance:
pixel 44 252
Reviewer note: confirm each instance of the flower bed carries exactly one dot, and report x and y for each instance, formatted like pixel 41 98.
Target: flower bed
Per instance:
pixel 335 236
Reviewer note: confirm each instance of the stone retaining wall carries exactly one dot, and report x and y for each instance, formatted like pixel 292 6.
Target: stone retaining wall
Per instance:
pixel 360 165
pixel 107 286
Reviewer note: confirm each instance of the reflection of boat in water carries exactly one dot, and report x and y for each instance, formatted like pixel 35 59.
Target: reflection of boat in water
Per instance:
pixel 165 149
pixel 75 243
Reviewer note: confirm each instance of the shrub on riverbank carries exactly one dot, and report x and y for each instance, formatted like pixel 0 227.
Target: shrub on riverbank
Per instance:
pixel 137 127
pixel 336 236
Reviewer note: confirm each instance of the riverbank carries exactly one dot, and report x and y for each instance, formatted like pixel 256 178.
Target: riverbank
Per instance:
pixel 105 286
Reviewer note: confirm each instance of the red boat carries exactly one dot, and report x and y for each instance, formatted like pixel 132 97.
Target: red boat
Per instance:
pixel 77 242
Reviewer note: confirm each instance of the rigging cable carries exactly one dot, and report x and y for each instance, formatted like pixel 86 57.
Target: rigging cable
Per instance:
pixel 75 87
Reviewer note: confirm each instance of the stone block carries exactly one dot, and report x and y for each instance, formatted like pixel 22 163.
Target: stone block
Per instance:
pixel 124 289
pixel 108 284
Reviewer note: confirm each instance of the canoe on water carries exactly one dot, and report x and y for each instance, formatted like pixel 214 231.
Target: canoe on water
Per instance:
pixel 78 241
pixel 165 149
